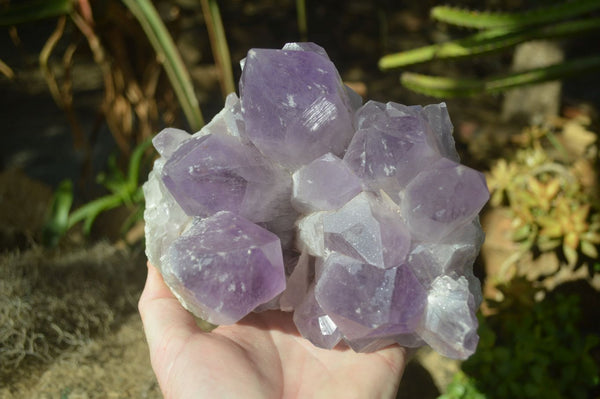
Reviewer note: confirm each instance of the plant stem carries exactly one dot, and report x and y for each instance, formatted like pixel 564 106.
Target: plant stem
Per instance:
pixel 218 43
pixel 301 16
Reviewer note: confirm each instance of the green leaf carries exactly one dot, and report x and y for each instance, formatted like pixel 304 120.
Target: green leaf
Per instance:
pixel 135 162
pixel 167 53
pixel 218 42
pixel 570 254
pixel 58 216
pixel 88 212
pixel 491 20
pixel 32 11
pixel 547 245
pixel 301 19
pixel 438 86
pixel 485 42
pixel 589 249
pixel 522 233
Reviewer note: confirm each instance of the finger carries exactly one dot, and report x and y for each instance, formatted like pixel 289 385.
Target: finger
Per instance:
pixel 396 357
pixel 164 318
pixel 155 286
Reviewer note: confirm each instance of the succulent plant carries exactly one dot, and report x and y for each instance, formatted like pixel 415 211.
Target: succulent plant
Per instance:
pixel 552 210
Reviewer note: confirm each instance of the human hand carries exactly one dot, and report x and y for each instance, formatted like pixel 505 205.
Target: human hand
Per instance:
pixel 261 356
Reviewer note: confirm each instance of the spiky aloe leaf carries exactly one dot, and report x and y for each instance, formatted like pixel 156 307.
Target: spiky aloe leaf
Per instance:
pixel 486 42
pixel 33 11
pixel 491 20
pixel 437 86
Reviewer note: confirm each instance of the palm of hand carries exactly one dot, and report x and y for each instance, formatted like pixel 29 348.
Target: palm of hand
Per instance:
pixel 261 356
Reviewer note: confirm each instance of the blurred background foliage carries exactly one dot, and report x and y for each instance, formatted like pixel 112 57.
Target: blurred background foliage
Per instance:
pixel 499 31
pixel 118 71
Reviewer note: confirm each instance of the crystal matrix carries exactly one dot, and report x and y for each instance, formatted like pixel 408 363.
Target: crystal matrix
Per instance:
pixel 358 218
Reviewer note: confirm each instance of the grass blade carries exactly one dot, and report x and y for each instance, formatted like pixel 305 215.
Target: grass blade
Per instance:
pixel 218 43
pixel 167 52
pixel 301 18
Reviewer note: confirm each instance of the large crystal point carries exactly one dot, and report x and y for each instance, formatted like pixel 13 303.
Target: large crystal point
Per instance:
pixel 450 325
pixel 227 122
pixel 442 198
pixel 388 302
pixel 382 128
pixel 224 266
pixel 294 105
pixel 324 184
pixel 167 141
pixel 441 128
pixel 217 172
pixel 364 229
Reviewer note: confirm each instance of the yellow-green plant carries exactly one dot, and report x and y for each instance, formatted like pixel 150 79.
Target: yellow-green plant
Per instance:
pixel 552 210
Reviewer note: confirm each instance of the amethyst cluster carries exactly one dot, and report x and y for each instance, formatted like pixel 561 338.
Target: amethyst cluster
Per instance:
pixel 296 196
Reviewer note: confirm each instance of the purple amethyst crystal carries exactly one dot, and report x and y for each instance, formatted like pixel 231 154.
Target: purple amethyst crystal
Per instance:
pixel 218 172
pixel 324 184
pixel 315 324
pixel 387 302
pixel 295 105
pixel 357 218
pixel 382 128
pixel 365 230
pixel 224 266
pixel 443 198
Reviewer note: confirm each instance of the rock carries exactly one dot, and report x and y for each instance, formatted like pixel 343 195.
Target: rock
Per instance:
pixel 358 218
pixel 224 266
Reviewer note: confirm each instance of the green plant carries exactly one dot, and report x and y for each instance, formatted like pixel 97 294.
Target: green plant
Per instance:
pixel 499 31
pixel 132 87
pixel 462 387
pixel 553 209
pixel 165 48
pixel 532 349
pixel 124 190
pixel 218 42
